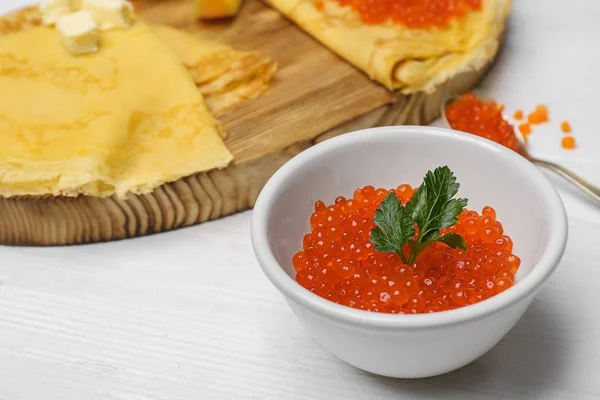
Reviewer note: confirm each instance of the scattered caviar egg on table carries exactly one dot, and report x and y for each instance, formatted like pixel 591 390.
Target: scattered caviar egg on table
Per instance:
pixel 525 129
pixel 410 13
pixel 339 262
pixel 568 142
pixel 518 115
pixel 482 118
pixel 565 127
pixel 539 115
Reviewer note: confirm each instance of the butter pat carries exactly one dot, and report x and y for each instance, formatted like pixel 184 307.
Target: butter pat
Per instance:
pixel 110 14
pixel 79 32
pixel 52 10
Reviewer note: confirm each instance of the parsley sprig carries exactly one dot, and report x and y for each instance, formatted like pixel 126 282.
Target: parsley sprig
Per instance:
pixel 431 208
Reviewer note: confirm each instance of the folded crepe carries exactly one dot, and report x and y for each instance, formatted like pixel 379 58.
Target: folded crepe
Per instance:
pixel 226 77
pixel 123 120
pixel 399 57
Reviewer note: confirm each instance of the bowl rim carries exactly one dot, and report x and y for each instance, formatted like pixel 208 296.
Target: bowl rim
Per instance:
pixel 528 286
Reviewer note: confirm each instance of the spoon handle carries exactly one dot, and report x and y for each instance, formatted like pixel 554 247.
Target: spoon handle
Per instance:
pixel 591 190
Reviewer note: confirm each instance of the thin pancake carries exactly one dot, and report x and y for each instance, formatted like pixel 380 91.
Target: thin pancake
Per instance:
pixel 125 119
pixel 412 60
pixel 226 77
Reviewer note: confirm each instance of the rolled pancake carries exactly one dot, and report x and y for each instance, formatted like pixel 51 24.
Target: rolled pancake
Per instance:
pixel 412 60
pixel 226 77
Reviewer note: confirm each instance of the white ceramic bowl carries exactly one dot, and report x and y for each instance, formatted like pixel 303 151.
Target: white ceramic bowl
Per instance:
pixel 421 345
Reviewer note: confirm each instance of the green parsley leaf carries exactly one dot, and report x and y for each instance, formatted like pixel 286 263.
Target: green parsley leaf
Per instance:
pixel 432 207
pixel 453 240
pixel 394 226
pixel 417 248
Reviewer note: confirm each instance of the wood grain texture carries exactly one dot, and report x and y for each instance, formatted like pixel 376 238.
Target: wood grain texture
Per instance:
pixel 315 96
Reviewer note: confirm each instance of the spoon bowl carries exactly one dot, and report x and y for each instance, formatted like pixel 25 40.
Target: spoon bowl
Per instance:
pixel 582 184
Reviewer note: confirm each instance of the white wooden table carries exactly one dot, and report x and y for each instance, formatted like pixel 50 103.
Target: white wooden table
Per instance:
pixel 189 315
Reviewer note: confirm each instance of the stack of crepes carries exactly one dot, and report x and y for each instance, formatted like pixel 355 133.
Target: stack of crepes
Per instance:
pixel 138 113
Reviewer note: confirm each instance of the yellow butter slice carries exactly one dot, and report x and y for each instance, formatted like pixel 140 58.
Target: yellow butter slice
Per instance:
pixel 79 32
pixel 110 14
pixel 52 10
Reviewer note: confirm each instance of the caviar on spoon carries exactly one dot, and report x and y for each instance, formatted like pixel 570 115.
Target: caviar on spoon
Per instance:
pixel 471 115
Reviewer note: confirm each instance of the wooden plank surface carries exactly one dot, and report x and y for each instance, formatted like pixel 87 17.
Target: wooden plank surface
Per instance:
pixel 314 90
pixel 315 95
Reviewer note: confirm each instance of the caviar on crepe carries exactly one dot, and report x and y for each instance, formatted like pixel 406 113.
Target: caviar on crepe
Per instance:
pixel 410 269
pixel 410 13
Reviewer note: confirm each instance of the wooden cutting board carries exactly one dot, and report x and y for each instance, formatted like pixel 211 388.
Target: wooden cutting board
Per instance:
pixel 315 95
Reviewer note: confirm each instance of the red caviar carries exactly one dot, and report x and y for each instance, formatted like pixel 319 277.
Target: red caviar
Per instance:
pixel 525 129
pixel 482 118
pixel 539 115
pixel 518 115
pixel 338 261
pixel 565 127
pixel 419 14
pixel 568 142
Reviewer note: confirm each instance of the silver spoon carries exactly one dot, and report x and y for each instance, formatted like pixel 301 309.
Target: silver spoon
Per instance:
pixel 589 189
